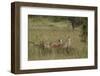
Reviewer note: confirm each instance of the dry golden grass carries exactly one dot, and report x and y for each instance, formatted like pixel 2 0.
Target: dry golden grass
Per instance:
pixel 78 48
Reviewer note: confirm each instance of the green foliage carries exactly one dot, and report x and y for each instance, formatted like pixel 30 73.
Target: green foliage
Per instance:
pixel 80 21
pixel 76 21
pixel 84 28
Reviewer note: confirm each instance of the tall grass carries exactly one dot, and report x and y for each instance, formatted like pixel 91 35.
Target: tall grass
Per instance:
pixel 78 48
pixel 47 31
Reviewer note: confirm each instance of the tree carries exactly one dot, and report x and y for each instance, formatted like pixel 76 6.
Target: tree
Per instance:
pixel 76 21
pixel 84 28
pixel 80 21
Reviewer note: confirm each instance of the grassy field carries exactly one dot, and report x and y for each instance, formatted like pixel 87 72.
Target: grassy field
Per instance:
pixel 43 29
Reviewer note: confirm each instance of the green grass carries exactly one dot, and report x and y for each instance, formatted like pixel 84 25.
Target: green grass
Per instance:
pixel 50 32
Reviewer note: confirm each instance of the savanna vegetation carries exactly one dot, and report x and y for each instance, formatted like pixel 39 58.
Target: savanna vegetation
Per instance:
pixel 57 37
